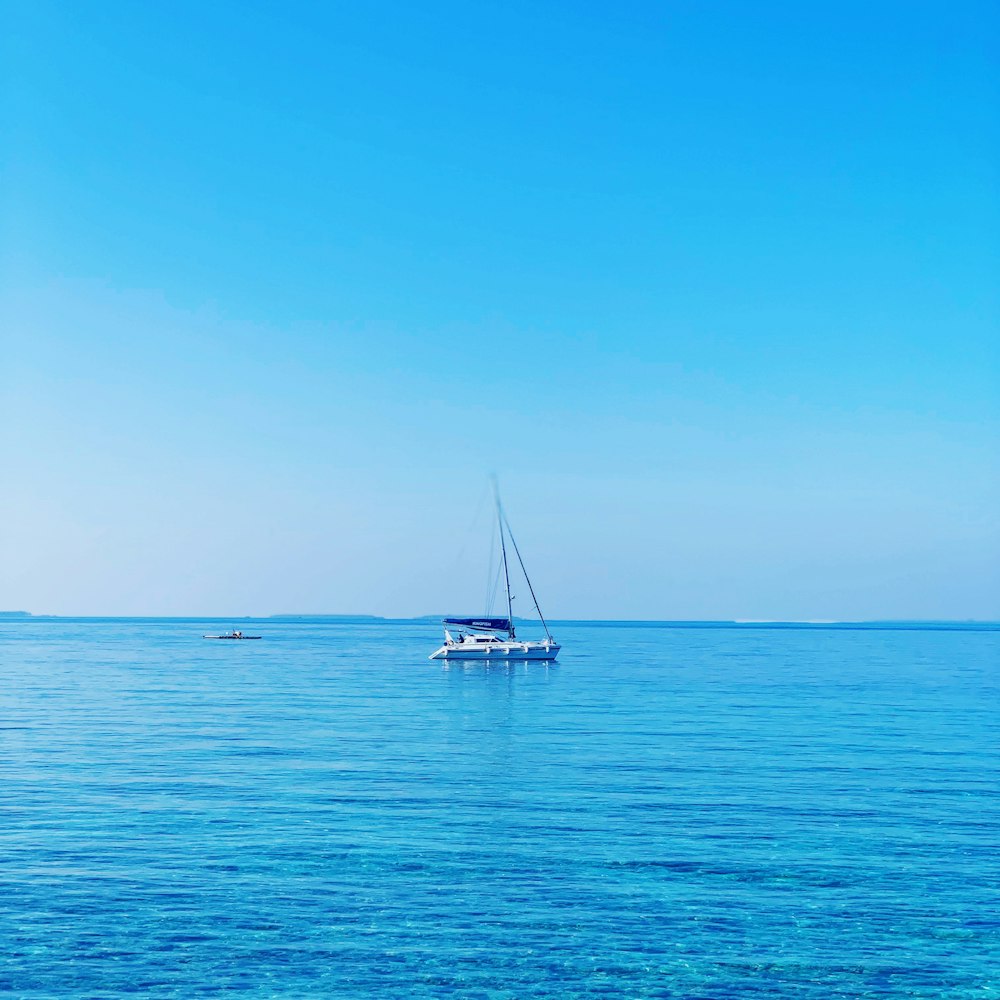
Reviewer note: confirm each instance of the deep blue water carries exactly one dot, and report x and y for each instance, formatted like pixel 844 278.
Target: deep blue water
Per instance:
pixel 667 812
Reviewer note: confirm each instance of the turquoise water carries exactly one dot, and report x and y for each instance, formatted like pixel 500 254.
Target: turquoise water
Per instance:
pixel 666 812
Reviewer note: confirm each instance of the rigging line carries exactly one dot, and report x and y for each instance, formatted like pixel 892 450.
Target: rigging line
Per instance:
pixel 464 538
pixel 491 586
pixel 493 593
pixel 503 549
pixel 517 551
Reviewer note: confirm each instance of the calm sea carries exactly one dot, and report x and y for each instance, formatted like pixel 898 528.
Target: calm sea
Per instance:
pixel 667 812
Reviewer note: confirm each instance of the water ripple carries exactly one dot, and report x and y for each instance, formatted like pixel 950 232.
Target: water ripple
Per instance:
pixel 665 813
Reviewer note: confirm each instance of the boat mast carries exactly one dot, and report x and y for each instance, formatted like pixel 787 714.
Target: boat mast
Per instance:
pixel 517 551
pixel 503 549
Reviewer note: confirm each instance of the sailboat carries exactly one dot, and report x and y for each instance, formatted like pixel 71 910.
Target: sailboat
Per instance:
pixel 490 638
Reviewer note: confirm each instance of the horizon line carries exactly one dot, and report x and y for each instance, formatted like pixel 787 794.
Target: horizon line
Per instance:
pixel 747 622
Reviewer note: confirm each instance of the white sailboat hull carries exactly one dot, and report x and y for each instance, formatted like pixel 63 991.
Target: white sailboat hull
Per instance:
pixel 497 651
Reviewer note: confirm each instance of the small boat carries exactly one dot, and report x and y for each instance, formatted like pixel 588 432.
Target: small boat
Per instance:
pixel 490 638
pixel 232 635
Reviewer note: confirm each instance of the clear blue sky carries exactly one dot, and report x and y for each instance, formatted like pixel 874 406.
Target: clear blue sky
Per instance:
pixel 712 287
